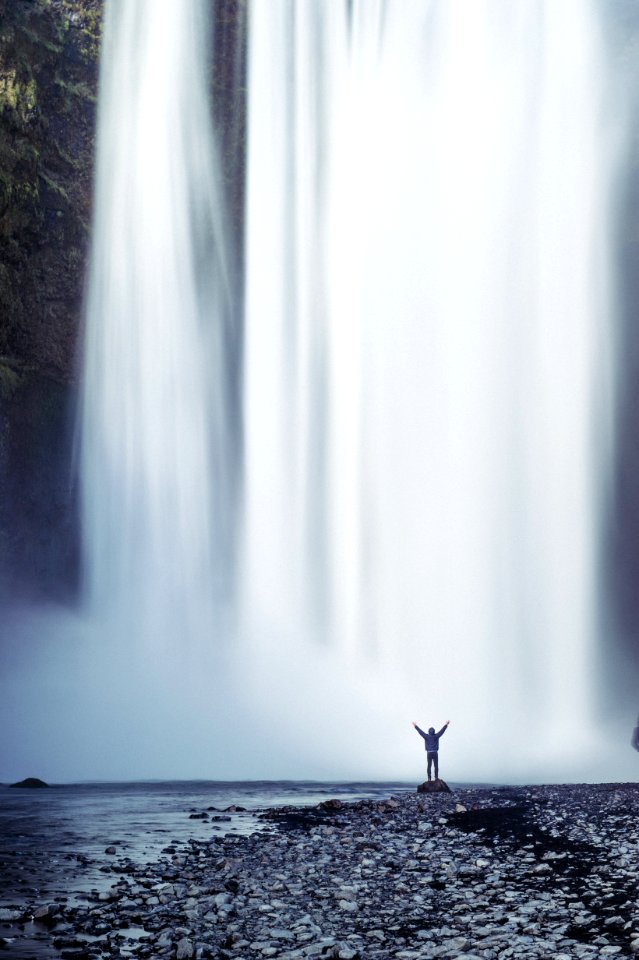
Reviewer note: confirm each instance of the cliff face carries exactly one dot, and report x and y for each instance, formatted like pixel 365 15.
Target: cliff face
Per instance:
pixel 48 95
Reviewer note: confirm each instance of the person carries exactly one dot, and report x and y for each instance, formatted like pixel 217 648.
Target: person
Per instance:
pixel 431 745
pixel 635 736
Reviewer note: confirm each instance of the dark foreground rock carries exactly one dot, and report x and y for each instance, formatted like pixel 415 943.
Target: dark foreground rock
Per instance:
pixel 532 872
pixel 433 786
pixel 30 783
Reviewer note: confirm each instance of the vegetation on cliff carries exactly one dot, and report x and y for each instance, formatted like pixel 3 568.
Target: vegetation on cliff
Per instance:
pixel 48 87
pixel 48 93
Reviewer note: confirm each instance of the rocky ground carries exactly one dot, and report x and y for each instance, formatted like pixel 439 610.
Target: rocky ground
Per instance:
pixel 544 871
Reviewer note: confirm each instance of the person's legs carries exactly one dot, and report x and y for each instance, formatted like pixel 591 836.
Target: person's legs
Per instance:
pixel 436 762
pixel 430 757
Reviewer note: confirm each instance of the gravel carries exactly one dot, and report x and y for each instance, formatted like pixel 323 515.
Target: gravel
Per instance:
pixel 517 872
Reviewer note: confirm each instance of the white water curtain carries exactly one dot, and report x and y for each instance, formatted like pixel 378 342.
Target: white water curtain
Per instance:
pixel 155 423
pixel 429 349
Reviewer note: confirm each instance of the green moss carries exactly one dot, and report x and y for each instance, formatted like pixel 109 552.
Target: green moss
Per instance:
pixel 45 43
pixel 54 185
pixel 80 90
pixel 74 162
pixel 48 83
pixel 17 95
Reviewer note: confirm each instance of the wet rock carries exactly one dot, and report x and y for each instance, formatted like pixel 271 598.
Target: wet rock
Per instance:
pixel 46 911
pixel 45 916
pixel 30 783
pixel 433 786
pixel 184 949
pixel 378 880
pixel 348 905
pixel 9 916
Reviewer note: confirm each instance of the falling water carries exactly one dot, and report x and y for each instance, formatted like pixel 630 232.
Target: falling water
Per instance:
pixel 157 445
pixel 426 377
pixel 428 361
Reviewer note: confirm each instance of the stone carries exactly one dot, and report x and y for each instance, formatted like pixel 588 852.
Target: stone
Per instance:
pixel 49 910
pixel 349 905
pixel 371 886
pixel 281 934
pixel 433 786
pixel 9 916
pixel 184 949
pixel 31 783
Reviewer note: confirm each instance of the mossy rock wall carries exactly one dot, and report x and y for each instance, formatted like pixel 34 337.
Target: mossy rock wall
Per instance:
pixel 48 97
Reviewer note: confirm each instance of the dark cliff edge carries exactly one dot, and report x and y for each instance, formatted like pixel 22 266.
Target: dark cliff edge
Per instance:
pixel 49 52
pixel 48 97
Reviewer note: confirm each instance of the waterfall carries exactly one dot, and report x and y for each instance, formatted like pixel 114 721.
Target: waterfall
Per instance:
pixel 157 441
pixel 425 386
pixel 428 365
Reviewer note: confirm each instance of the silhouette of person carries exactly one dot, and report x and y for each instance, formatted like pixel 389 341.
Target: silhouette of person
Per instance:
pixel 635 736
pixel 431 745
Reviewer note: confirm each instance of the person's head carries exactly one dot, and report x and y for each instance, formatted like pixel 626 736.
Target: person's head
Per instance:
pixel 431 729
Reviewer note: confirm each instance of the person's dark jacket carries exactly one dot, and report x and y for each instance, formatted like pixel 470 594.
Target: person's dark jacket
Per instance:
pixel 431 740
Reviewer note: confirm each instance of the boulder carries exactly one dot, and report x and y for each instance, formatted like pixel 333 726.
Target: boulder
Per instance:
pixel 433 786
pixel 30 783
pixel 49 910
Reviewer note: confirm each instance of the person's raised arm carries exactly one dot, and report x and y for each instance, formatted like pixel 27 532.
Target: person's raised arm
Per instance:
pixel 420 732
pixel 443 729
